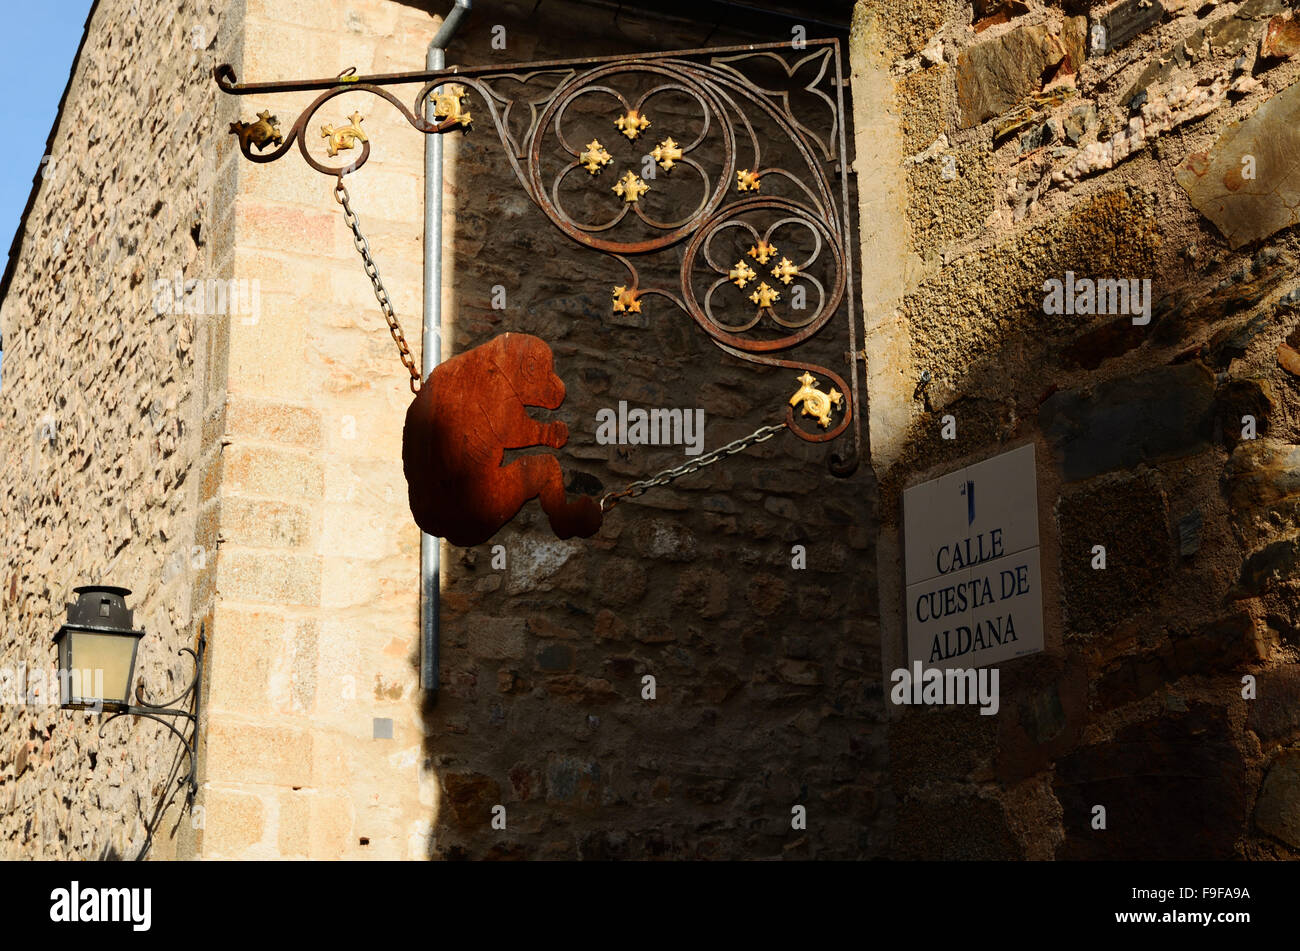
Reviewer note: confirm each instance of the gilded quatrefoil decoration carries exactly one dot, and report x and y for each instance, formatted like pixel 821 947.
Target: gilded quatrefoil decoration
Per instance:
pixel 666 153
pixel 632 124
pixel 747 181
pixel 816 403
pixel 595 157
pixel 344 137
pixel 630 188
pixel 741 274
pixel 447 106
pixel 261 133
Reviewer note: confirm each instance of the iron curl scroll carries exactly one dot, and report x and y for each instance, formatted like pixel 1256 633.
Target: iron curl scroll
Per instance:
pixel 185 706
pixel 795 217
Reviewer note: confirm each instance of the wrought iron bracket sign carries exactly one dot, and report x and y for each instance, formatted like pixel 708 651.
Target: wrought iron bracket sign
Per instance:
pixel 755 135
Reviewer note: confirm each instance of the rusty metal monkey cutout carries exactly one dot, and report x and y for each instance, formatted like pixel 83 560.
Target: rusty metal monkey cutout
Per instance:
pixel 470 410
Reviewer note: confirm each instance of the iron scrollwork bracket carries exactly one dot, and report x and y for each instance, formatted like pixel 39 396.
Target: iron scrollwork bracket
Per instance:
pixel 184 706
pixel 779 212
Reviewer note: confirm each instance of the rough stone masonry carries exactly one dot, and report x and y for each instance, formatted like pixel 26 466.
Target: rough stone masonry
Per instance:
pixel 1115 142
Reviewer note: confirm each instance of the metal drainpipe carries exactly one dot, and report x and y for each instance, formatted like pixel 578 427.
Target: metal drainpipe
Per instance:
pixel 432 347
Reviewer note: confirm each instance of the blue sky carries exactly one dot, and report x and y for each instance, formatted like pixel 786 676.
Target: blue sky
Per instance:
pixel 37 45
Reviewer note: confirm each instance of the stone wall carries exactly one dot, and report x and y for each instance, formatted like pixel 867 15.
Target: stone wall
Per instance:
pixel 765 674
pixel 313 739
pixel 102 420
pixel 235 460
pixel 1018 142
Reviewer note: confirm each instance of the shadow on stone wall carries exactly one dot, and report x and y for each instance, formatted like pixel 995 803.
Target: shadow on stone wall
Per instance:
pixel 766 695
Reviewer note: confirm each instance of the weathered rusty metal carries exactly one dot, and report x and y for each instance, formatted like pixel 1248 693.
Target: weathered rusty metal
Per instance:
pixel 841 465
pixel 739 119
pixel 470 410
pixel 381 294
pixel 667 476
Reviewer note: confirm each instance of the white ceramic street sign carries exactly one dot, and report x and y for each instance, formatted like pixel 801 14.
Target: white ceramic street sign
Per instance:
pixel 973 576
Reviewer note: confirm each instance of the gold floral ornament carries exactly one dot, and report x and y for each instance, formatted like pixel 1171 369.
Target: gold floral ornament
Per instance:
pixel 741 274
pixel 448 106
pixel 344 137
pixel 816 403
pixel 747 181
pixel 261 133
pixel 626 300
pixel 786 271
pixel 632 124
pixel 762 251
pixel 595 157
pixel 630 188
pixel 765 296
pixel 666 153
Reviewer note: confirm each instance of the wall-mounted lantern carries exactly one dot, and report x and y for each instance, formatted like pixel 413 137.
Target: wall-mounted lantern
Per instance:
pixel 97 648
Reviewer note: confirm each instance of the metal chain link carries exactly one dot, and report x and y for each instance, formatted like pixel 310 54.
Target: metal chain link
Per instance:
pixel 633 489
pixel 381 295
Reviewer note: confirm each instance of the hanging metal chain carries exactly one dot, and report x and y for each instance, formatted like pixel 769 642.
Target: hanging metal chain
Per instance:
pixel 381 295
pixel 633 489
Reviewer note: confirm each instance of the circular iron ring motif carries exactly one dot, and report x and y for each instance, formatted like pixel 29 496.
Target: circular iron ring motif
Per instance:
pixel 707 208
pixel 634 207
pixel 725 272
pixel 732 212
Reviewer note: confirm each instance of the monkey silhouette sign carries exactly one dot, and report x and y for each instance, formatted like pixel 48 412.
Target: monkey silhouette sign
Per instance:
pixel 470 410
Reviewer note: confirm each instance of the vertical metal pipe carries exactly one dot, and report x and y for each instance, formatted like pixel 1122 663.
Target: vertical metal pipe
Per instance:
pixel 432 348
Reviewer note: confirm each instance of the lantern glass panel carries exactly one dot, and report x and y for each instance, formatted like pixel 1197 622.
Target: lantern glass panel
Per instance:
pixel 99 667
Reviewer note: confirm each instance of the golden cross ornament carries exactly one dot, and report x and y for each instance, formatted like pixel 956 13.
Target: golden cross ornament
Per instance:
pixel 765 296
pixel 595 157
pixel 666 153
pixel 626 300
pixel 741 274
pixel 786 271
pixel 816 403
pixel 632 124
pixel 762 251
pixel 630 188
